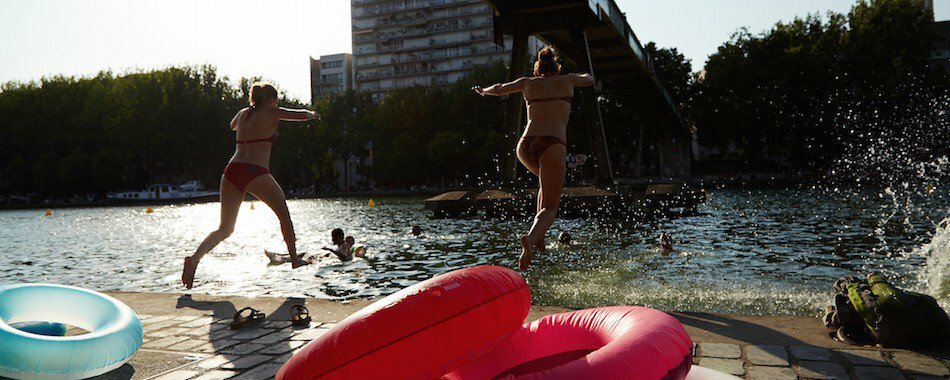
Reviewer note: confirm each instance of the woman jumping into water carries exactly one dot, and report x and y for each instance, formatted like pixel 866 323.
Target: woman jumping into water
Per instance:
pixel 543 145
pixel 248 172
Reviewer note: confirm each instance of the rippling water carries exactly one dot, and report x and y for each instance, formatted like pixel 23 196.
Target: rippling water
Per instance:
pixel 760 251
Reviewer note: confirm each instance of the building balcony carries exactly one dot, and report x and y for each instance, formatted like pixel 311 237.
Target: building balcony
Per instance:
pixel 397 48
pixel 416 18
pixel 388 7
pixel 408 33
pixel 429 56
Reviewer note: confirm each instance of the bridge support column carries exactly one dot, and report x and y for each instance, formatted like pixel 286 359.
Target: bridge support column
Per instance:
pixel 595 123
pixel 515 106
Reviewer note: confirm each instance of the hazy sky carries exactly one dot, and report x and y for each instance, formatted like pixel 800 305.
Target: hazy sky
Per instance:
pixel 274 38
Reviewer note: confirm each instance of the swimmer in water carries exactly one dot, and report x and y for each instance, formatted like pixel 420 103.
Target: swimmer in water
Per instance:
pixel 564 238
pixel 416 230
pixel 341 249
pixel 666 242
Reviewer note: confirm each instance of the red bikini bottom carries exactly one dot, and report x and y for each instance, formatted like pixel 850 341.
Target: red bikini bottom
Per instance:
pixel 532 147
pixel 241 173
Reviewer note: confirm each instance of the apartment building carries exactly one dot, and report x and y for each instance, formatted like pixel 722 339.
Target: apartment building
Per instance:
pixel 405 43
pixel 331 74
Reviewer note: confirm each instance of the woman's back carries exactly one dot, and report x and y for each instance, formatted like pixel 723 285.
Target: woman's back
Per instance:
pixel 255 132
pixel 549 103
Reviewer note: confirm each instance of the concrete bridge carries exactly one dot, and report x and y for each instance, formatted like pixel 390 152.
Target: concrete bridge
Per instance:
pixel 596 35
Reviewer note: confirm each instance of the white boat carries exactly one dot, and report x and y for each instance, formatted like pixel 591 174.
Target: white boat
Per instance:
pixel 166 192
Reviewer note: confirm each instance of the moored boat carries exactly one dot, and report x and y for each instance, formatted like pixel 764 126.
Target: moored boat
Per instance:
pixel 191 191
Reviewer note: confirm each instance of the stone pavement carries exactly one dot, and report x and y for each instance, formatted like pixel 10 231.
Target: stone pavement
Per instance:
pixel 188 337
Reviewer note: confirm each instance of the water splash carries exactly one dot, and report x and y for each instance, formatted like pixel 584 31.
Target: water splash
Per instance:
pixel 935 276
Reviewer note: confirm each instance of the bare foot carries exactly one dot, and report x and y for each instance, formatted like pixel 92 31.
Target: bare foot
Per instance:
pixel 526 255
pixel 273 258
pixel 300 263
pixel 188 272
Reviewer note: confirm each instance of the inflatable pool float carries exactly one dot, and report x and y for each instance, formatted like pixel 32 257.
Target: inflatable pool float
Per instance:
pixel 115 332
pixel 618 342
pixel 420 332
pixel 41 328
pixel 468 324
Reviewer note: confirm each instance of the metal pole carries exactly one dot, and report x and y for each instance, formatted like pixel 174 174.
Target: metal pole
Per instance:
pixel 595 122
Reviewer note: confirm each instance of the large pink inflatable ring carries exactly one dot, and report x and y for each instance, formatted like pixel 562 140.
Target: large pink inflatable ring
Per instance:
pixel 621 342
pixel 420 332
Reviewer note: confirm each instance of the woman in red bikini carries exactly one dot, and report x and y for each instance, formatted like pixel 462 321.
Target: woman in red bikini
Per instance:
pixel 543 146
pixel 248 172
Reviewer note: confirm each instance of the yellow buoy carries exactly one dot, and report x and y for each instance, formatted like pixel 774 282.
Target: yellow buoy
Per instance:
pixel 49 212
pixel 252 205
pixel 372 203
pixel 930 188
pixel 148 210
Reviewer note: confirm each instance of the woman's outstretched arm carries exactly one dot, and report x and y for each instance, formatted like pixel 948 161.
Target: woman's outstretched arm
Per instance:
pixel 582 80
pixel 289 114
pixel 500 89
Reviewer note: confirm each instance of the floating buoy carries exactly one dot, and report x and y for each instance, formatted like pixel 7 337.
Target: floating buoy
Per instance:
pixel 148 210
pixel 372 203
pixel 930 188
pixel 252 205
pixel 49 212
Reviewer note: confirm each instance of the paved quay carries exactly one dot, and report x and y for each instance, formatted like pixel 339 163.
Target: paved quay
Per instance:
pixel 188 337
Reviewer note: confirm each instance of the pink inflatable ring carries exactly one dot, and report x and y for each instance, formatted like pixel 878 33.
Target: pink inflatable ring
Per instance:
pixel 621 342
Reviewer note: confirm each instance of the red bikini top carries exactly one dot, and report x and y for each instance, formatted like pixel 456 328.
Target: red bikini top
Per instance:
pixel 539 100
pixel 268 140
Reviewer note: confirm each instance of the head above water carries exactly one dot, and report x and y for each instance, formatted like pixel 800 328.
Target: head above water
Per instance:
pixel 416 230
pixel 350 240
pixel 564 237
pixel 548 63
pixel 337 236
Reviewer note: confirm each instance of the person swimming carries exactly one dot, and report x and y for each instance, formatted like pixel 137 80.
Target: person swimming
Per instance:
pixel 564 238
pixel 666 242
pixel 341 249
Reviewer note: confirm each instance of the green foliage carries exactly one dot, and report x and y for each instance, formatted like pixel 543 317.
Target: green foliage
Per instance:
pixel 802 87
pixel 67 135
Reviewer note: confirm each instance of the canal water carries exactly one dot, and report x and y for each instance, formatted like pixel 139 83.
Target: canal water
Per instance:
pixel 773 251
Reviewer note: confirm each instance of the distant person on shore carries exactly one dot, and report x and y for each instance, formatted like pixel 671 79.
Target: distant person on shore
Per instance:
pixel 248 172
pixel 543 146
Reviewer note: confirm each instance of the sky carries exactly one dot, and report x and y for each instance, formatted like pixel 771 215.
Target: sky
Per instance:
pixel 274 39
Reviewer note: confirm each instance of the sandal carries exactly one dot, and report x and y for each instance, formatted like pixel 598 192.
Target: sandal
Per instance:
pixel 240 321
pixel 299 315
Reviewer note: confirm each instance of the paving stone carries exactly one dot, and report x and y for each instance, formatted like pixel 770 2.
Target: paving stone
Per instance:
pixel 278 336
pixel 252 334
pixel 198 322
pixel 182 374
pixel 771 373
pixel 276 325
pixel 144 317
pixel 221 334
pixel 214 361
pixel 171 331
pixel 216 375
pixel 877 373
pixel 767 355
pixel 864 357
pixel 165 342
pixel 290 345
pixel 821 370
pixel 242 349
pixel 202 331
pixel 920 364
pixel 246 362
pixel 160 325
pixel 730 366
pixel 309 334
pixel 284 358
pixel 187 318
pixel 819 354
pixel 720 350
pixel 266 371
pixel 187 345
pixel 156 319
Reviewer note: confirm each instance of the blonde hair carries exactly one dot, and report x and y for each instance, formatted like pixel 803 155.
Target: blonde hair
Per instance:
pixel 260 93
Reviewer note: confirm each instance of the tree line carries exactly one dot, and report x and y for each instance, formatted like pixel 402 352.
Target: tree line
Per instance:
pixel 823 89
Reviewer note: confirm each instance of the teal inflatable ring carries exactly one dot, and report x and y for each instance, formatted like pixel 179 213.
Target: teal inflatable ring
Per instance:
pixel 115 332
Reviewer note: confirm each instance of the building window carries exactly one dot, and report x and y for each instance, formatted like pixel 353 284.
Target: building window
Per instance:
pixel 331 64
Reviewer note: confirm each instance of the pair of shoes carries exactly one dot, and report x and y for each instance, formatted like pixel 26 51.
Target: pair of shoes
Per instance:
pixel 299 316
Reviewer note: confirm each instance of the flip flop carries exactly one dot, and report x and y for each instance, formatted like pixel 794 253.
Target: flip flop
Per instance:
pixel 240 321
pixel 299 315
